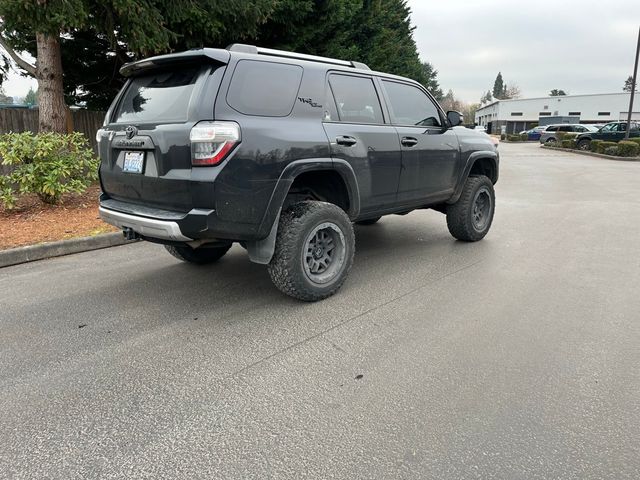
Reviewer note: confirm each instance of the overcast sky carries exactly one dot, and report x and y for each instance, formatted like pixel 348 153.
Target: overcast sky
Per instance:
pixel 580 46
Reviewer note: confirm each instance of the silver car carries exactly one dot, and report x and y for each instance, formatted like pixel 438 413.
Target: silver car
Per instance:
pixel 550 135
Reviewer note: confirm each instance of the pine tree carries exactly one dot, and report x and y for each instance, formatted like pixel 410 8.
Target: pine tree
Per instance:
pixel 499 87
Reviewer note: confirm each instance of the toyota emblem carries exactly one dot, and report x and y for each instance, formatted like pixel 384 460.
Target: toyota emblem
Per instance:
pixel 131 131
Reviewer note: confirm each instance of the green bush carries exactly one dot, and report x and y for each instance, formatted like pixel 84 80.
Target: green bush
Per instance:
pixel 628 149
pixel 570 135
pixel 593 145
pixel 634 140
pixel 611 150
pixel 47 164
pixel 524 137
pixel 514 138
pixel 560 136
pixel 568 143
pixel 503 136
pixel 602 146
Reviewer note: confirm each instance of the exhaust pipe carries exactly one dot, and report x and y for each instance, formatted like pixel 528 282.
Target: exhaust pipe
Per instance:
pixel 129 234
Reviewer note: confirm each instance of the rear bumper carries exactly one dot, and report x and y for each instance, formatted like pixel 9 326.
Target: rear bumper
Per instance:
pixel 171 226
pixel 147 227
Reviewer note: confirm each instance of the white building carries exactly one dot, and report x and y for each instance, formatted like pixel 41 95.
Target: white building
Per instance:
pixel 523 113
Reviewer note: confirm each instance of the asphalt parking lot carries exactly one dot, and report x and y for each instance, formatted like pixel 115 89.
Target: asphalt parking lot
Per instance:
pixel 515 357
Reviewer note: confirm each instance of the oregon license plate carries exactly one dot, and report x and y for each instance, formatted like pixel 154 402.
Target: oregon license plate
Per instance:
pixel 133 162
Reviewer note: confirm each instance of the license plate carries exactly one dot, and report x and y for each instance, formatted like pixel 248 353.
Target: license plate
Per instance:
pixel 133 162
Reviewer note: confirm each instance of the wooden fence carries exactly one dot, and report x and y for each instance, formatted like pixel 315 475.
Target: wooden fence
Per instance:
pixel 26 120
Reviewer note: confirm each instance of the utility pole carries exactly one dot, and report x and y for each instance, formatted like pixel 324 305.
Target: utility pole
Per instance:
pixel 633 89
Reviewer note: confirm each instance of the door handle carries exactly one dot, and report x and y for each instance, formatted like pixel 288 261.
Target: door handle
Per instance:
pixel 346 140
pixel 409 141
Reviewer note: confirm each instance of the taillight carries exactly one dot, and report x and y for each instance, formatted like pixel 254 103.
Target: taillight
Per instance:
pixel 211 142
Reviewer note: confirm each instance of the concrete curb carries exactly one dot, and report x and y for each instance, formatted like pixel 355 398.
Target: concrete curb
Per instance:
pixel 15 256
pixel 593 154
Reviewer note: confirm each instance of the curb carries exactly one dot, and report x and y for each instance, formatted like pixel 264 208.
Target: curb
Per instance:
pixel 593 154
pixel 31 253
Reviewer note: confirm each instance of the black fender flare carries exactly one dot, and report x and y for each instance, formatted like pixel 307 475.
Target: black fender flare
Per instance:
pixel 298 167
pixel 261 251
pixel 473 158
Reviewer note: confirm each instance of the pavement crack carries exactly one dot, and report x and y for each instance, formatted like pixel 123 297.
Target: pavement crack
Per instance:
pixel 351 319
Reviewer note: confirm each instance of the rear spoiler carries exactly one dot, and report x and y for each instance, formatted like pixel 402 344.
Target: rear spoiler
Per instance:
pixel 208 55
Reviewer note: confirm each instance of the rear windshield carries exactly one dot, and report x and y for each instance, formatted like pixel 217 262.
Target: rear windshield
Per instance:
pixel 158 97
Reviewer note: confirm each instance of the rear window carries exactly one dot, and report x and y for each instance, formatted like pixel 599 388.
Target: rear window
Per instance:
pixel 265 89
pixel 157 97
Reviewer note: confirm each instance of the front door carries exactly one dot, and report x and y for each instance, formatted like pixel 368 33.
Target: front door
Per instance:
pixel 357 133
pixel 430 150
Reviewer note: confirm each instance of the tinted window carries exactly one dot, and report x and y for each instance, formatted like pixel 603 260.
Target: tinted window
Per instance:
pixel 356 99
pixel 411 106
pixel 551 129
pixel 264 88
pixel 160 97
pixel 565 128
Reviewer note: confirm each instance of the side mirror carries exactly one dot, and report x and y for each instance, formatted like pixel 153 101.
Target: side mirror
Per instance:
pixel 455 118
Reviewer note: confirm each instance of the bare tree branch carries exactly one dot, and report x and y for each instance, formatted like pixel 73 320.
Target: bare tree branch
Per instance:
pixel 26 66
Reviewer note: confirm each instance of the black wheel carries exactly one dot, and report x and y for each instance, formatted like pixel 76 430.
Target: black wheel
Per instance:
pixel 551 141
pixel 584 144
pixel 200 256
pixel 470 218
pixel 368 221
pixel 314 251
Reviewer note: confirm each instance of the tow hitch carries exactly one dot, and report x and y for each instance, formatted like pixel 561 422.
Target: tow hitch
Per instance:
pixel 129 234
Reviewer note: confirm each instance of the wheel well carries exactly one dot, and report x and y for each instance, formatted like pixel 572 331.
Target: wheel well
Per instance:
pixel 486 167
pixel 324 185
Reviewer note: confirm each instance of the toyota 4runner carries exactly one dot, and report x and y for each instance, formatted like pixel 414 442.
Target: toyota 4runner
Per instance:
pixel 282 153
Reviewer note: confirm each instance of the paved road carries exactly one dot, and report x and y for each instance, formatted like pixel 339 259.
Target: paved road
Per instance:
pixel 515 357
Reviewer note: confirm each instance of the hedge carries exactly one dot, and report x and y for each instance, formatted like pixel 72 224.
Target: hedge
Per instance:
pixel 611 150
pixel 593 145
pixel 568 143
pixel 602 146
pixel 628 149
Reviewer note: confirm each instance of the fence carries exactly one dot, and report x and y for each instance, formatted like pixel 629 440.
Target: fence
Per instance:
pixel 26 120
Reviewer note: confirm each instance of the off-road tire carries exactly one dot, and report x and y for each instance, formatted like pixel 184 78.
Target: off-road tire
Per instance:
pixel 199 256
pixel 460 215
pixel 288 267
pixel 368 221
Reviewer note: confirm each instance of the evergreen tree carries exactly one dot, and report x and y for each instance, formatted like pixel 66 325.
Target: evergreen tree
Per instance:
pixel 556 93
pixel 628 84
pixel 431 81
pixel 499 87
pixel 31 98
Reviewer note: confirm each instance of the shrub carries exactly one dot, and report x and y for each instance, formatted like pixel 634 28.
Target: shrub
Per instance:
pixel 570 135
pixel 634 140
pixel 514 138
pixel 602 146
pixel 568 143
pixel 503 136
pixel 47 164
pixel 524 137
pixel 611 150
pixel 593 145
pixel 560 136
pixel 628 149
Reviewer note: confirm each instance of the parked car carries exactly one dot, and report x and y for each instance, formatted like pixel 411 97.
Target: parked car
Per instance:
pixel 534 133
pixel 611 132
pixel 549 136
pixel 195 156
pixel 480 128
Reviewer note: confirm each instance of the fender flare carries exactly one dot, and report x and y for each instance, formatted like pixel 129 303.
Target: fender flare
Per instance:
pixel 261 251
pixel 473 158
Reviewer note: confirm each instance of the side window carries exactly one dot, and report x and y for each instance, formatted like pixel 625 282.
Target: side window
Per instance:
pixel 411 106
pixel 264 88
pixel 565 128
pixel 552 129
pixel 356 99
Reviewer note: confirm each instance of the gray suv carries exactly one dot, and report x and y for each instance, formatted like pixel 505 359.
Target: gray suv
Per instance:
pixel 550 135
pixel 282 153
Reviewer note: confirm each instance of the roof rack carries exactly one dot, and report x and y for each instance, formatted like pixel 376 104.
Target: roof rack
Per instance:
pixel 242 48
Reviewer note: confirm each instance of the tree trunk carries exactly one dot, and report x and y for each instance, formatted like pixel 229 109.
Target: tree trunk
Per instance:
pixel 52 115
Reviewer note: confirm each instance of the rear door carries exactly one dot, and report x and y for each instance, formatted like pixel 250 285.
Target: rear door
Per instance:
pixel 145 148
pixel 355 124
pixel 430 150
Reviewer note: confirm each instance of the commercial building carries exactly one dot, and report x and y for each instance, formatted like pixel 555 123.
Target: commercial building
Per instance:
pixel 523 113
